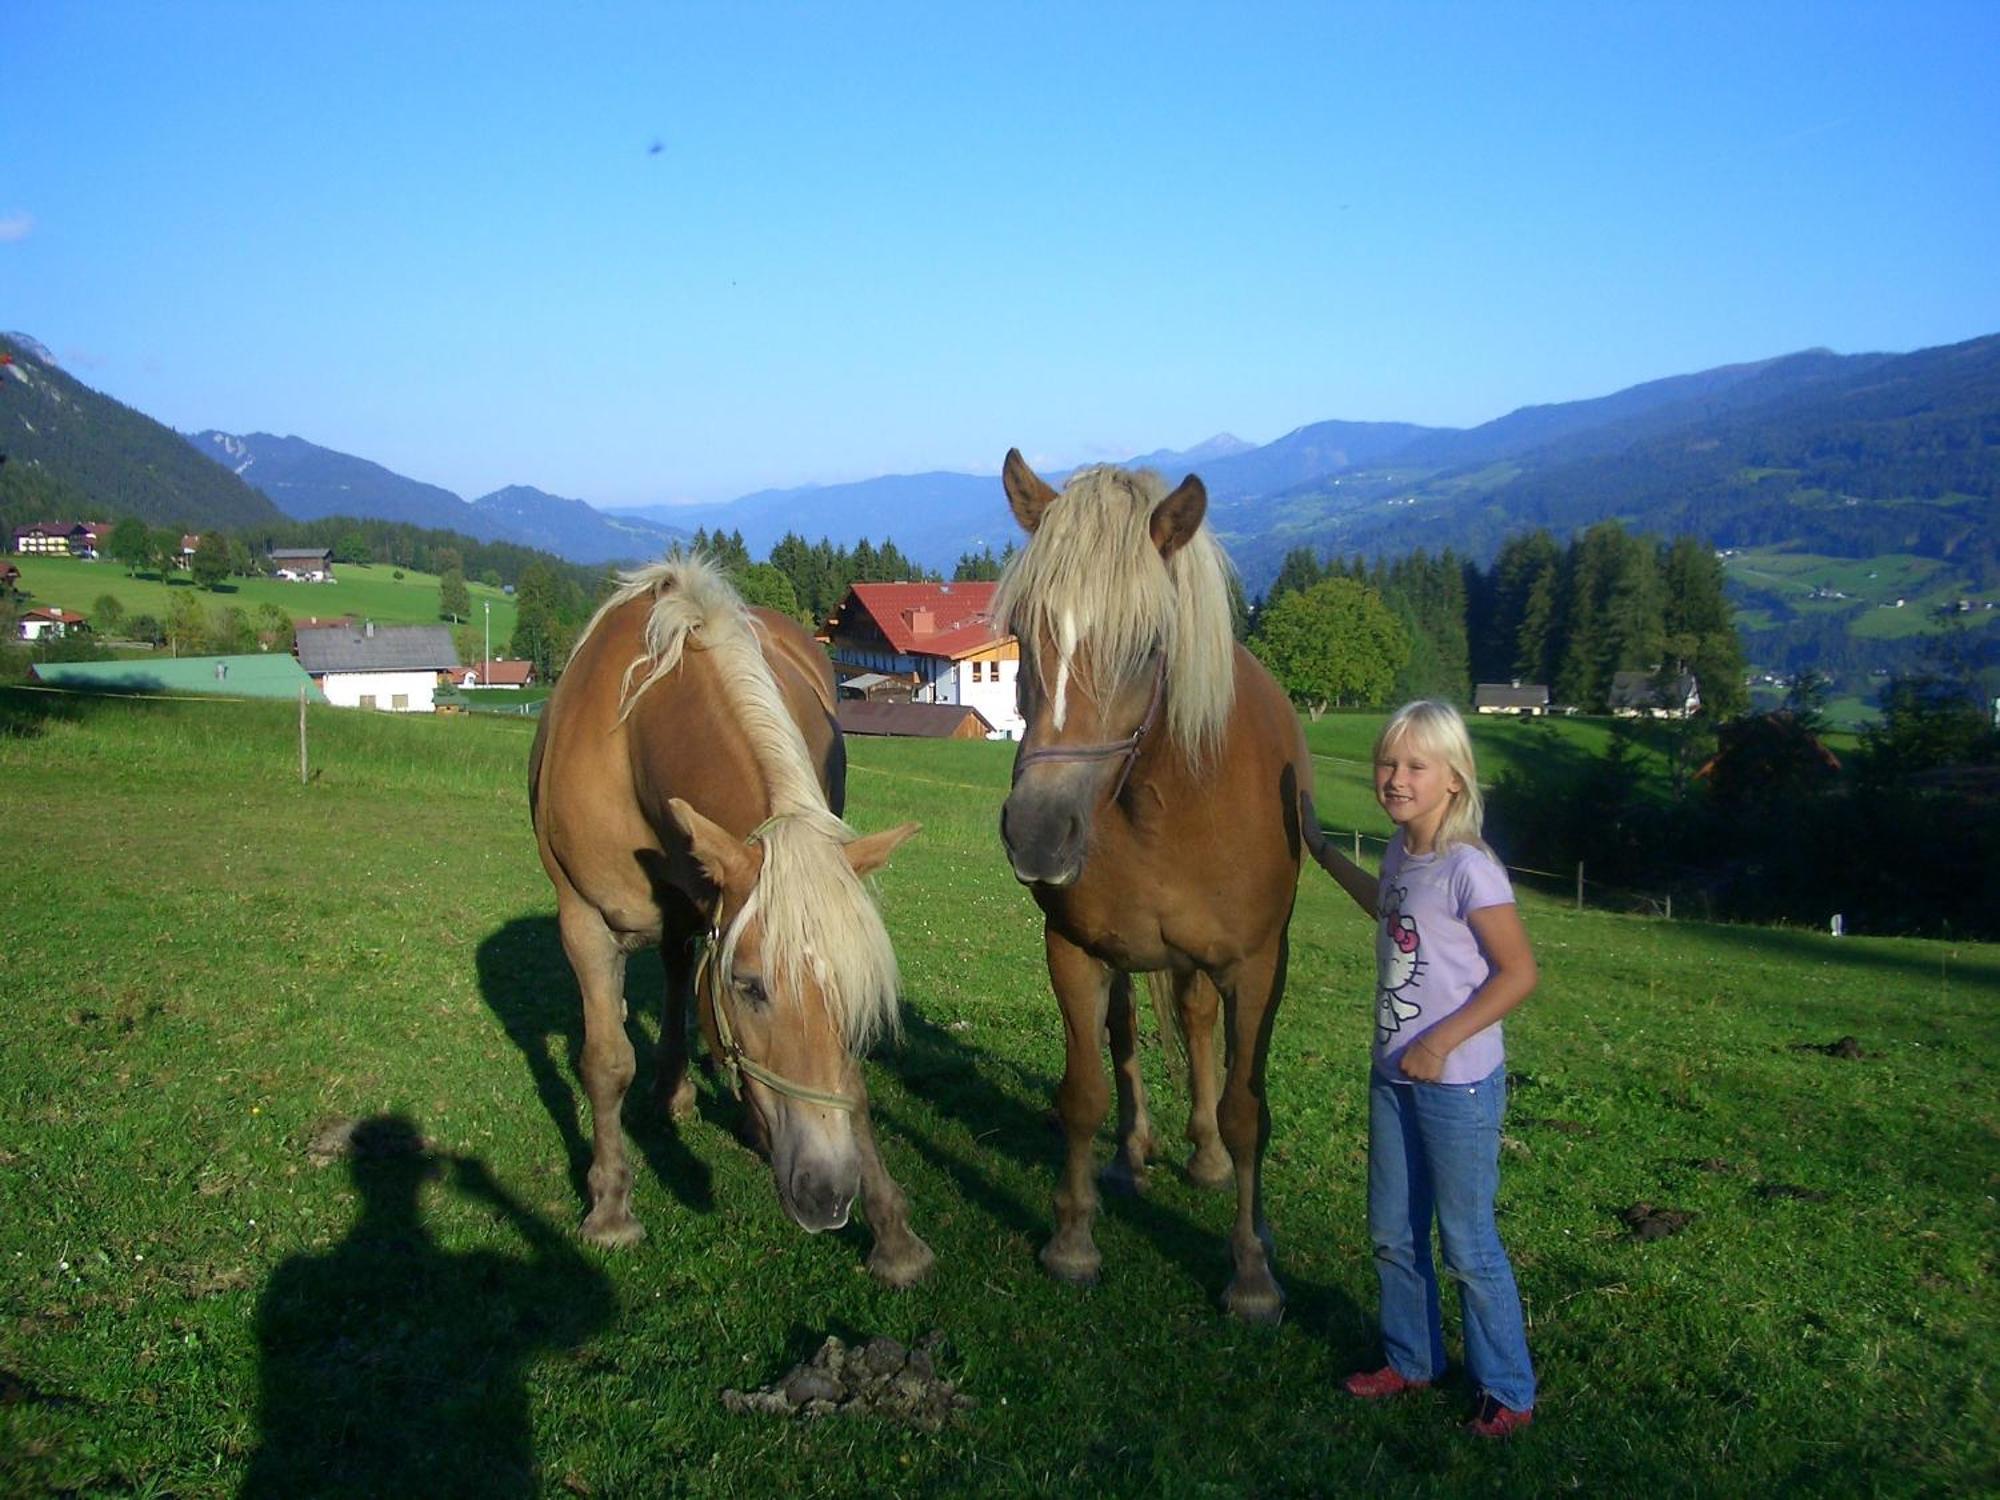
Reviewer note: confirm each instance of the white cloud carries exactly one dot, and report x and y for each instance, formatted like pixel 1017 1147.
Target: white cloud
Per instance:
pixel 15 227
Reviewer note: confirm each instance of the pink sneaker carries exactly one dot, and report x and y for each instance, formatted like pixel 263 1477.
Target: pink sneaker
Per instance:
pixel 1380 1385
pixel 1497 1421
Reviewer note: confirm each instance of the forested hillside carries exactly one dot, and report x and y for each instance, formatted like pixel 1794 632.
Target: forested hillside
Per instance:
pixel 76 453
pixel 1846 455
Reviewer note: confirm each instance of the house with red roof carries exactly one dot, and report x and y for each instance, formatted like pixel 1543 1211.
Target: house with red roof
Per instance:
pixel 926 643
pixel 491 674
pixel 50 623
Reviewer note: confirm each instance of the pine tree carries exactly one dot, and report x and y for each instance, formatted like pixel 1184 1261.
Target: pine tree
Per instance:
pixel 1520 609
pixel 1697 608
pixel 1299 570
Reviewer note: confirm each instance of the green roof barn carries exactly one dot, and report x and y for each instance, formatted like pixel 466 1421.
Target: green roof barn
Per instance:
pixel 275 674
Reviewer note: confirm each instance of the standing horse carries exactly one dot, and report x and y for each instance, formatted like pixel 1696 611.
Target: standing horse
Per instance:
pixel 1156 817
pixel 686 782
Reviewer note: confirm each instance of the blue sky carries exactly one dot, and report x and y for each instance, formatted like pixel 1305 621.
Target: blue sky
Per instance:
pixel 881 239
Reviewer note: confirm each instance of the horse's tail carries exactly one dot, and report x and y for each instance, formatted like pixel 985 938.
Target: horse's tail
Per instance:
pixel 1313 835
pixel 1160 986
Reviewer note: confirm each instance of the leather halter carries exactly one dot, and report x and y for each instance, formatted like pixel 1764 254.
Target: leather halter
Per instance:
pixel 1127 747
pixel 736 1063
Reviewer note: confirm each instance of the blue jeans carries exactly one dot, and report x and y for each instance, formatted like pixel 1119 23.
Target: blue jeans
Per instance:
pixel 1435 1148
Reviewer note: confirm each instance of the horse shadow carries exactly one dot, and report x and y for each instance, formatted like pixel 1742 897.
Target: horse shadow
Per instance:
pixel 527 983
pixel 986 1092
pixel 391 1366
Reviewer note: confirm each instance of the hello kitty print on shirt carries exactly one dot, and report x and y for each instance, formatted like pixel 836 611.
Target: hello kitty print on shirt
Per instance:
pixel 1428 962
pixel 1400 965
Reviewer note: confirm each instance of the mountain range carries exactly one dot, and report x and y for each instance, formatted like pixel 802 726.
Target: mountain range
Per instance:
pixel 1847 454
pixel 308 482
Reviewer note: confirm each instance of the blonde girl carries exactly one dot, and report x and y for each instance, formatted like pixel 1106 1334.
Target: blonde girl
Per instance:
pixel 1452 959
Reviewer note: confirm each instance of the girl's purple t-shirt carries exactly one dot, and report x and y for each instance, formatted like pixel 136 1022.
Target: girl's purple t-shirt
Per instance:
pixel 1427 961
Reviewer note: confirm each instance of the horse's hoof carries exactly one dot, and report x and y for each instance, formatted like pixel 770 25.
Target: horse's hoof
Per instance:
pixel 1074 1268
pixel 1211 1169
pixel 1263 1307
pixel 613 1229
pixel 905 1265
pixel 681 1107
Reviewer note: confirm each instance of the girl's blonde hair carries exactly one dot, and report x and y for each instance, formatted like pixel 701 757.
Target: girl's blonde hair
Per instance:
pixel 1436 729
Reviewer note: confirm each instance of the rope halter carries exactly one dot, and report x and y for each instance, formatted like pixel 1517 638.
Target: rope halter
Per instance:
pixel 1127 747
pixel 709 980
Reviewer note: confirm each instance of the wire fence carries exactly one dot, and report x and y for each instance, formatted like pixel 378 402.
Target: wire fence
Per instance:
pixel 1574 885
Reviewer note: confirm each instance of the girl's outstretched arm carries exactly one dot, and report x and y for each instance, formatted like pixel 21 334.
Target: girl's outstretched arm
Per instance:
pixel 1510 979
pixel 1356 881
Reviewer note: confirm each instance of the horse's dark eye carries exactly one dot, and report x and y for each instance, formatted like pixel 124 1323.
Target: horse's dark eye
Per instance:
pixel 752 990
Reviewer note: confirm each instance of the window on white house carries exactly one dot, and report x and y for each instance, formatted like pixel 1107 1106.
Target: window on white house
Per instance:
pixel 367 700
pixel 399 700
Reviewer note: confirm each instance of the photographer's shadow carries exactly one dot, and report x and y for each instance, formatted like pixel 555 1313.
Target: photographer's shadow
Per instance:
pixel 391 1366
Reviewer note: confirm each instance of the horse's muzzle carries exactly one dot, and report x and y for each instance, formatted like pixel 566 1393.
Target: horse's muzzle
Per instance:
pixel 816 1201
pixel 1045 839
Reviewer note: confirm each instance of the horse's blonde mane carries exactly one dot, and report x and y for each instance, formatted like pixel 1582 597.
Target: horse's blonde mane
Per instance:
pixel 1091 575
pixel 817 915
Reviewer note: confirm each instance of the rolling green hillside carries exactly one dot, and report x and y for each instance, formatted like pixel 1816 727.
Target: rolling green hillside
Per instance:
pixel 363 591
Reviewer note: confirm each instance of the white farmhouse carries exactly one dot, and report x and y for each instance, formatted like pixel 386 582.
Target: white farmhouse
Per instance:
pixel 50 623
pixel 927 643
pixel 389 667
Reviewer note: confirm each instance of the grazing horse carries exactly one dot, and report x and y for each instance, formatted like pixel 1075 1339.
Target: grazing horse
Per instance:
pixel 1156 817
pixel 686 783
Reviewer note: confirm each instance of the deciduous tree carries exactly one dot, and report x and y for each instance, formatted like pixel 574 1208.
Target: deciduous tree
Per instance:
pixel 210 564
pixel 1332 643
pixel 454 598
pixel 187 624
pixel 131 543
pixel 762 583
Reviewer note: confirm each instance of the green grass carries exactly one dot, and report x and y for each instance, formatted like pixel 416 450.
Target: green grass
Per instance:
pixel 369 592
pixel 205 960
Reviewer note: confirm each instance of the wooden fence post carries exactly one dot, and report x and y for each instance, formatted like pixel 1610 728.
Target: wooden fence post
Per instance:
pixel 1357 846
pixel 1579 885
pixel 302 736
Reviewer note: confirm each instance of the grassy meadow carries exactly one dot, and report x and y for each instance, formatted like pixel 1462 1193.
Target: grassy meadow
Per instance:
pixel 366 591
pixel 208 965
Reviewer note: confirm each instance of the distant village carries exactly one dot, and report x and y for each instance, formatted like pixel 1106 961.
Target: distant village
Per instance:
pixel 911 659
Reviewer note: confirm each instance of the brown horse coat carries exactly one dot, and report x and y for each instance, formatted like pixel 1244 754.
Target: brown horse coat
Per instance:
pixel 1154 835
pixel 686 767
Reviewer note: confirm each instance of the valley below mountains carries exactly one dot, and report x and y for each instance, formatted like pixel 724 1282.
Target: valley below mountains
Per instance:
pixel 1810 455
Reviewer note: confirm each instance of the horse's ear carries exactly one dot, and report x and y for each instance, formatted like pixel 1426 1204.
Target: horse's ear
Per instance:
pixel 867 855
pixel 1027 492
pixel 1176 518
pixel 724 859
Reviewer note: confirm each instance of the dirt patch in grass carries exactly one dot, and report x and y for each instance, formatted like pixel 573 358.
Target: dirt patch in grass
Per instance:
pixel 1649 1222
pixel 1846 1047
